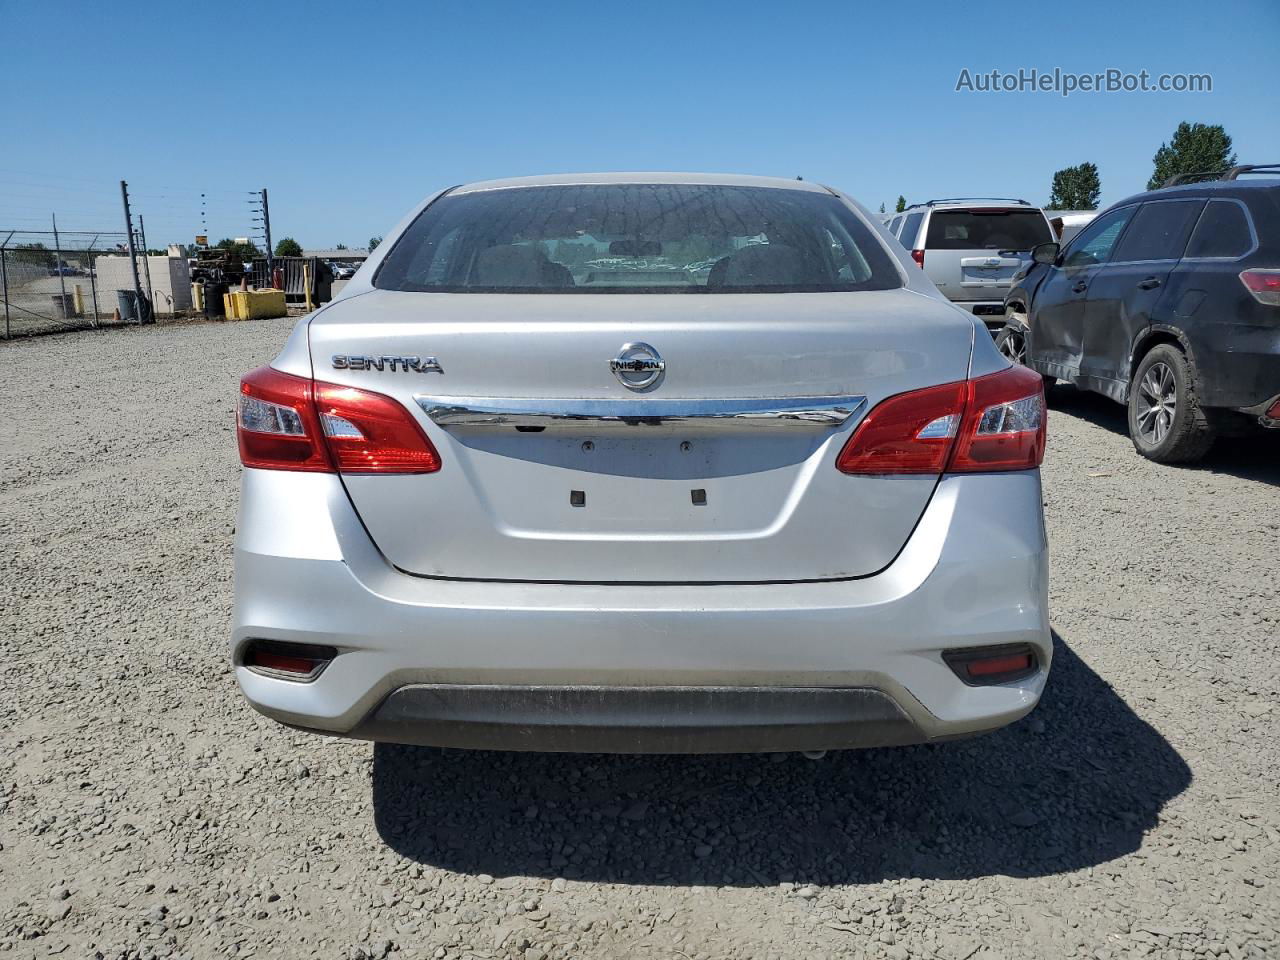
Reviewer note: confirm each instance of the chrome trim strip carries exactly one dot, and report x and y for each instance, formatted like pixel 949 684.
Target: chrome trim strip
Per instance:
pixel 790 412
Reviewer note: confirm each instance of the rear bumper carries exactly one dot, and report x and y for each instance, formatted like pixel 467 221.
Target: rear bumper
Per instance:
pixel 639 719
pixel 634 668
pixel 1239 366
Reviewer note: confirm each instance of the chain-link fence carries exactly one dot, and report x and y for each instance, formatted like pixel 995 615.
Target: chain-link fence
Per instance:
pixel 50 281
pixel 54 279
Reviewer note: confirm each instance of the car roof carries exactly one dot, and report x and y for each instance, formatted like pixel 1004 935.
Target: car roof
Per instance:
pixel 1204 188
pixel 967 203
pixel 576 179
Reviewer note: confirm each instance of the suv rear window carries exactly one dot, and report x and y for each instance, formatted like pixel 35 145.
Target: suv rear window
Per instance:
pixel 1159 231
pixel 987 230
pixel 638 238
pixel 1222 231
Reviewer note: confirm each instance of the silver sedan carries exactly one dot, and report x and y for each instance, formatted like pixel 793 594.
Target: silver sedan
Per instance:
pixel 641 463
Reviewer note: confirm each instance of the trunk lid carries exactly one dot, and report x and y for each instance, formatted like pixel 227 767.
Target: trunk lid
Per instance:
pixel 553 470
pixel 985 274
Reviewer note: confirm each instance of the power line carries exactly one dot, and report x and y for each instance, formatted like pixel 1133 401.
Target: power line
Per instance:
pixel 41 181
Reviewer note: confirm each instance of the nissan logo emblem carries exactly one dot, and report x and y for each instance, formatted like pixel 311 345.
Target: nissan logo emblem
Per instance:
pixel 637 366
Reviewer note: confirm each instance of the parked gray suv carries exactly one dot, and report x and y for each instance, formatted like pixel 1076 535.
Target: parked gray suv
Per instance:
pixel 972 247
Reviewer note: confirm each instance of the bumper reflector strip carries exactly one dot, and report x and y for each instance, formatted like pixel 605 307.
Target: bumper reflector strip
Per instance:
pixel 287 661
pixel 987 666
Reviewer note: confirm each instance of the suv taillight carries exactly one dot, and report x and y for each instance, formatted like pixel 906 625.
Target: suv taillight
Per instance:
pixel 1263 284
pixel 996 422
pixel 291 423
pixel 918 257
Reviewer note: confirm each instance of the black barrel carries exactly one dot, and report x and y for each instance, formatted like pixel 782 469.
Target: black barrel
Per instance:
pixel 213 291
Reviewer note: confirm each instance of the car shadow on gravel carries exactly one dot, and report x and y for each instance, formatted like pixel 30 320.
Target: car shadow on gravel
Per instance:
pixel 1252 457
pixel 1075 784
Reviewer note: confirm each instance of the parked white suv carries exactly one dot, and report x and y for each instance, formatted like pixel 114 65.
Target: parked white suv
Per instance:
pixel 972 247
pixel 641 463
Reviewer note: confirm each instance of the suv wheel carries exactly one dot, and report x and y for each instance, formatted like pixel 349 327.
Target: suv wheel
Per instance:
pixel 1012 342
pixel 1165 419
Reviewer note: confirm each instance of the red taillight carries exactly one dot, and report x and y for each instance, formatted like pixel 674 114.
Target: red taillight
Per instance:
pixel 996 422
pixel 276 423
pixel 1004 423
pixel 910 433
pixel 291 423
pixel 918 257
pixel 1263 284
pixel 372 433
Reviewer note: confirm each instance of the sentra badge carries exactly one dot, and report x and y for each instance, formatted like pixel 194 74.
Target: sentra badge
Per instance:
pixel 394 364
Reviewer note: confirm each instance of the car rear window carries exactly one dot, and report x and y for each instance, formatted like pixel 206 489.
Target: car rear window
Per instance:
pixel 1158 231
pixel 1221 231
pixel 910 228
pixel 638 238
pixel 987 230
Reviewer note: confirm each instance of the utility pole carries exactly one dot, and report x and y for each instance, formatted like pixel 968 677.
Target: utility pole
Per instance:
pixel 4 281
pixel 57 263
pixel 133 253
pixel 146 265
pixel 266 229
pixel 93 279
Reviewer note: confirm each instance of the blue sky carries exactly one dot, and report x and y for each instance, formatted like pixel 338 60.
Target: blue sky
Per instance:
pixel 350 113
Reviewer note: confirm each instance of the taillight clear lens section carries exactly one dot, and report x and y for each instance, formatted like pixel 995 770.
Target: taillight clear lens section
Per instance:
pixel 1004 423
pixel 259 416
pixel 292 423
pixel 372 433
pixel 996 422
pixel 1263 284
pixel 276 424
pixel 910 433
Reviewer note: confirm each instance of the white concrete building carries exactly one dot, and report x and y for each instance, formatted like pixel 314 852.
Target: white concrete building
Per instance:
pixel 170 279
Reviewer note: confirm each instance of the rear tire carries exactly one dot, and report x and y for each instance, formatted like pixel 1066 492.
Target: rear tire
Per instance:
pixel 1166 422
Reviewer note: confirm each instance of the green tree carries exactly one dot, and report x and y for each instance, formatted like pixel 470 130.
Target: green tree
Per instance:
pixel 882 208
pixel 288 247
pixel 341 246
pixel 36 253
pixel 1075 188
pixel 902 204
pixel 1195 148
pixel 373 243
pixel 239 252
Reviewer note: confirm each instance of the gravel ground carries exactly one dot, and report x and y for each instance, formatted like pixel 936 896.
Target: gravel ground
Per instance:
pixel 145 810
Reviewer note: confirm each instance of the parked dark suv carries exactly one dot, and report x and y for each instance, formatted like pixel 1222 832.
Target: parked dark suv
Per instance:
pixel 1168 302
